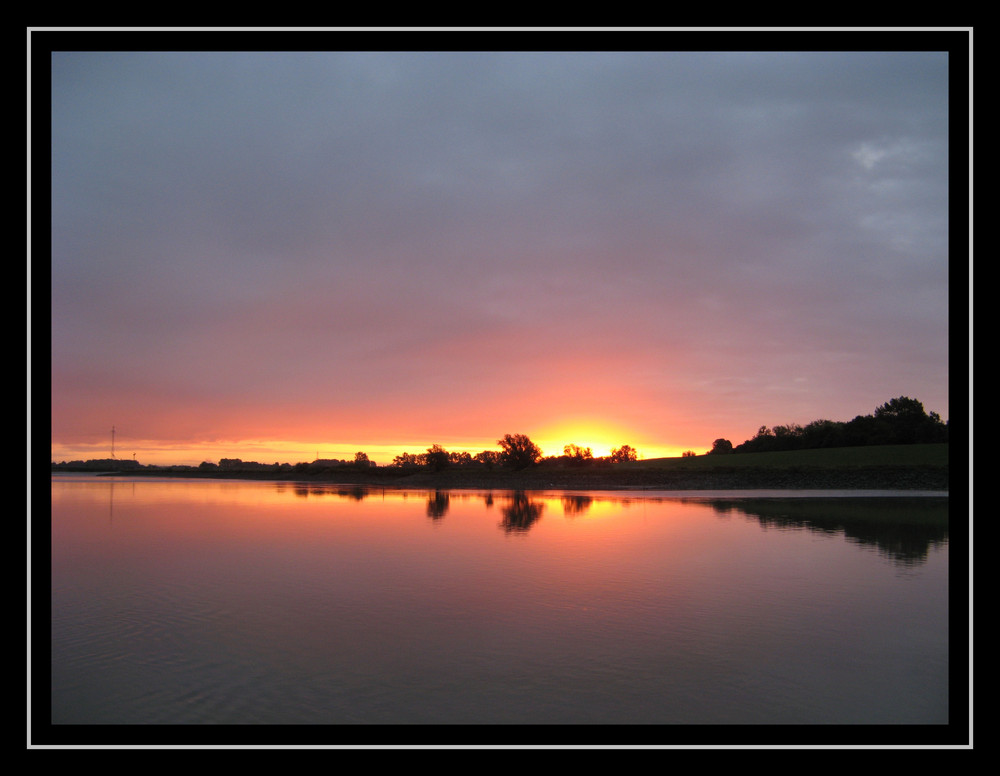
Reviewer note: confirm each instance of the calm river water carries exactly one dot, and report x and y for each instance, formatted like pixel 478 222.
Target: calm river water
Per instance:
pixel 231 602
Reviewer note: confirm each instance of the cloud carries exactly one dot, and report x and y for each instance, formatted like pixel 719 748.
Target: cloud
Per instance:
pixel 354 228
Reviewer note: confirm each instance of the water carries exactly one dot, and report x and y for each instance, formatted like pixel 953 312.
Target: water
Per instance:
pixel 225 602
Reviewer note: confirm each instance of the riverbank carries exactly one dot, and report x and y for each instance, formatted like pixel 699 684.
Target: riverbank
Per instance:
pixel 888 477
pixel 886 467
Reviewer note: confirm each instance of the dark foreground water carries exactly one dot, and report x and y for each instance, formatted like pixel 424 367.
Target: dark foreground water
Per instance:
pixel 191 602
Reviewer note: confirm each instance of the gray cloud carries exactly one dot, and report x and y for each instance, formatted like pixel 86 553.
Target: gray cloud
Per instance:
pixel 774 207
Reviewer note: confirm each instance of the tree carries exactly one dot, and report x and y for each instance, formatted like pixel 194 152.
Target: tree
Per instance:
pixel 904 422
pixel 409 459
pixel 518 451
pixel 721 446
pixel 823 433
pixel 488 458
pixel 899 421
pixel 461 458
pixel 623 453
pixel 437 458
pixel 578 455
pixel 361 459
pixel 903 407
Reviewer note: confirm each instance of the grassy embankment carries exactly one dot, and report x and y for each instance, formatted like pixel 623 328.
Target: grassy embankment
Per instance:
pixel 910 467
pixel 832 457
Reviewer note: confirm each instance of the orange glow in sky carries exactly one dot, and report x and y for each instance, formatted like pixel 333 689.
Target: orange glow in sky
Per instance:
pixel 600 439
pixel 290 256
pixel 600 436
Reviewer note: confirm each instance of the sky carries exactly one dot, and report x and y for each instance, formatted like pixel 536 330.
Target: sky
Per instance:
pixel 283 256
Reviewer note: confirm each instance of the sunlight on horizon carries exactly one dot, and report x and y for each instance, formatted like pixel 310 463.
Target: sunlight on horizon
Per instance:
pixel 600 436
pixel 600 439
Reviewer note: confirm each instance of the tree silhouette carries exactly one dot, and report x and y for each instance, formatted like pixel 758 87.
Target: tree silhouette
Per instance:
pixel 518 451
pixel 461 458
pixel 578 455
pixel 409 459
pixel 437 458
pixel 623 453
pixel 899 421
pixel 903 407
pixel 720 446
pixel 488 458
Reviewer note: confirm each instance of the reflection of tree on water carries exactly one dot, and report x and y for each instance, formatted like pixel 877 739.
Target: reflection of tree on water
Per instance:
pixel 520 513
pixel 902 529
pixel 437 505
pixel 575 505
pixel 357 493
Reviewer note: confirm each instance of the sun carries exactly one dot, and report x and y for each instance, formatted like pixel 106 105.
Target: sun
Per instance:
pixel 600 436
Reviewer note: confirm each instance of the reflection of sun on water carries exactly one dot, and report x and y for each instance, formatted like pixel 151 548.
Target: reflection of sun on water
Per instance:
pixel 586 506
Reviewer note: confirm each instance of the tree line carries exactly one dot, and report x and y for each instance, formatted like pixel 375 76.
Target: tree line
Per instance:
pixel 900 421
pixel 516 452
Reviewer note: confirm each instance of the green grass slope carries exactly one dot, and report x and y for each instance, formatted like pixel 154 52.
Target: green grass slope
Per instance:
pixel 833 457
